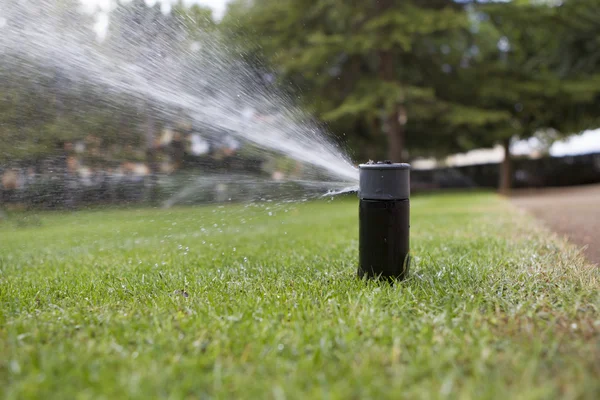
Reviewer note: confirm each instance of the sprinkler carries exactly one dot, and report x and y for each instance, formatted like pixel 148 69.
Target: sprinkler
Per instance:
pixel 384 191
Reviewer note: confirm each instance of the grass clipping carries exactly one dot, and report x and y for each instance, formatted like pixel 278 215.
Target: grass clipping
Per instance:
pixel 262 301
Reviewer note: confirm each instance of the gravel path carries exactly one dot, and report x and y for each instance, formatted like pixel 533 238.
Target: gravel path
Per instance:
pixel 573 212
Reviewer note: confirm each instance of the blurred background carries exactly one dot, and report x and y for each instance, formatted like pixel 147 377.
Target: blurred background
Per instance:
pixel 474 94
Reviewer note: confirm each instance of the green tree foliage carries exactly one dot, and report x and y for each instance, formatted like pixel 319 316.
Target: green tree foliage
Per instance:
pixel 370 67
pixel 435 76
pixel 579 41
pixel 196 19
pixel 518 75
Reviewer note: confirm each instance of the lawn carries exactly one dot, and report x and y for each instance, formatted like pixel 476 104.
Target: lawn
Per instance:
pixel 261 301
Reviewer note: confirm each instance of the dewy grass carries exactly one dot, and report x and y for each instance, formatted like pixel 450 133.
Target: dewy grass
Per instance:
pixel 263 302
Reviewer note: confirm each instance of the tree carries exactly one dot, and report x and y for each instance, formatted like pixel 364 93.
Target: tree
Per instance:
pixel 363 66
pixel 520 77
pixel 436 76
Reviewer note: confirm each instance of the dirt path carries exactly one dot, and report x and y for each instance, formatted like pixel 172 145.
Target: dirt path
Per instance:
pixel 574 212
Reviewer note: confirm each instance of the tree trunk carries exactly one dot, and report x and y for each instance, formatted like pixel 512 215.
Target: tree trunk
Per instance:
pixel 395 127
pixel 396 138
pixel 506 169
pixel 387 73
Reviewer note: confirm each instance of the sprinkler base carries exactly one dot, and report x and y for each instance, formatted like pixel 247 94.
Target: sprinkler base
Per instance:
pixel 384 239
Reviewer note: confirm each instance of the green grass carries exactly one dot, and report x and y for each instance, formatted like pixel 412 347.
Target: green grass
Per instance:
pixel 93 306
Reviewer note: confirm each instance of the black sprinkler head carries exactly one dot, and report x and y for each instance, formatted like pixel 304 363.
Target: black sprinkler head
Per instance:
pixel 384 220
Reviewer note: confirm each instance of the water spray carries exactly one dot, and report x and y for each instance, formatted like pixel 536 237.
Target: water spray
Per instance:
pixel 384 220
